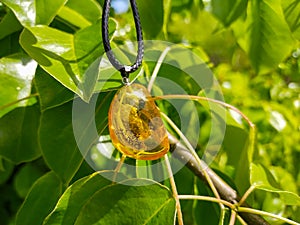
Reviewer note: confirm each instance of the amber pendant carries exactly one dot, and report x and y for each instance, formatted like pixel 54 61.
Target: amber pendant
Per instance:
pixel 135 125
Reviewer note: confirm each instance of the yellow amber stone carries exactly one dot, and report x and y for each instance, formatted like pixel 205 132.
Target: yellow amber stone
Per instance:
pixel 135 126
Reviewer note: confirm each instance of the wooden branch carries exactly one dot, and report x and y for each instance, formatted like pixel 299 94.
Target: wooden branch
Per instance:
pixel 226 192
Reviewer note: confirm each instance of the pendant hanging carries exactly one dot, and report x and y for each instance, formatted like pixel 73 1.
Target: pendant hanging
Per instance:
pixel 135 125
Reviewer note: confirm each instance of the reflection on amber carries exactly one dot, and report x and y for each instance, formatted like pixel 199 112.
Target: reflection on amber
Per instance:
pixel 135 125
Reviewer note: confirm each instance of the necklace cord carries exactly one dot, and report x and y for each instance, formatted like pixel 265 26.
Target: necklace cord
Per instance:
pixel 125 70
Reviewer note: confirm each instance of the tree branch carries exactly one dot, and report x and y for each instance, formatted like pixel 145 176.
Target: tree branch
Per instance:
pixel 226 192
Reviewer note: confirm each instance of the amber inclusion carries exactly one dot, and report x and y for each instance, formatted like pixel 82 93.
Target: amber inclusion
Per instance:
pixel 135 125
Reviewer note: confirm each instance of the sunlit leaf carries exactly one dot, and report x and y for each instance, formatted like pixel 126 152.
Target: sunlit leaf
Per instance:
pixel 16 75
pixel 77 195
pixel 34 12
pixel 262 179
pixel 81 13
pixel 167 10
pixel 284 178
pixel 152 16
pixel 291 10
pixel 73 60
pixel 228 11
pixel 264 35
pixel 129 203
pixel 199 29
pixel 40 200
pixel 18 134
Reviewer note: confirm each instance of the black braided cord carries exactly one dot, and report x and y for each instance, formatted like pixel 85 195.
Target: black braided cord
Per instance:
pixel 125 70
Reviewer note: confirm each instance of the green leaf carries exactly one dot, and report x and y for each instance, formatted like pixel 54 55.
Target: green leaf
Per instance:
pixel 70 128
pixel 10 45
pixel 81 13
pixel 129 203
pixel 16 74
pixel 152 17
pixel 180 3
pixel 40 200
pixel 34 12
pixel 57 142
pixel 89 123
pixel 204 209
pixel 24 179
pixel 9 24
pixel 291 10
pixel 75 197
pixel 228 11
pixel 284 178
pixel 264 35
pixel 73 60
pixel 51 92
pixel 18 134
pixel 167 11
pixel 262 179
pixel 90 9
pixel 238 154
pixel 6 169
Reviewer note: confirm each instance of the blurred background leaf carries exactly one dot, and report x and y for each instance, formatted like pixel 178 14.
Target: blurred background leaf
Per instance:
pixel 265 35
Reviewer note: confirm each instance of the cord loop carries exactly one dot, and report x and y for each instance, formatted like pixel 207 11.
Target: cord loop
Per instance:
pixel 124 69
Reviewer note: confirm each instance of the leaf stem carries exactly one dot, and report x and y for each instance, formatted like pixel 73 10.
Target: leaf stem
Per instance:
pixel 206 198
pixel 18 100
pixel 157 67
pixel 232 217
pixel 195 155
pixel 263 213
pixel 246 195
pixel 222 216
pixel 240 219
pixel 200 98
pixel 118 168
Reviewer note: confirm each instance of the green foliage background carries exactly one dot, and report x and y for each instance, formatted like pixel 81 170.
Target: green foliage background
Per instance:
pixel 49 51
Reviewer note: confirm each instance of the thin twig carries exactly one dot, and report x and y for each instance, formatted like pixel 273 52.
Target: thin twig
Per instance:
pixel 200 98
pixel 118 168
pixel 240 219
pixel 207 199
pixel 246 195
pixel 174 190
pixel 232 217
pixel 229 196
pixel 157 67
pixel 196 157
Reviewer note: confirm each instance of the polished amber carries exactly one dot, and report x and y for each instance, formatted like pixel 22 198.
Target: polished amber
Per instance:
pixel 135 125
